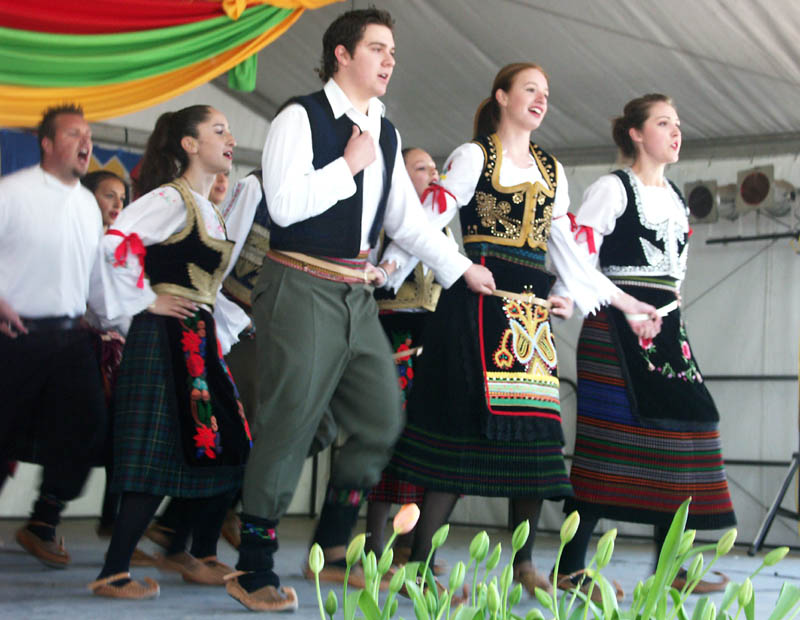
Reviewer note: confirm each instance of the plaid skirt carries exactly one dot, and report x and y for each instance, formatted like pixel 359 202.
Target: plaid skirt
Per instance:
pixel 148 452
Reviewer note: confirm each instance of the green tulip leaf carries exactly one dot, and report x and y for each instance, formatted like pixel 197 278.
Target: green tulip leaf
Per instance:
pixel 787 599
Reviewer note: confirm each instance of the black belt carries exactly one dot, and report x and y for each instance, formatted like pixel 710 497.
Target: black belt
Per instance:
pixel 51 324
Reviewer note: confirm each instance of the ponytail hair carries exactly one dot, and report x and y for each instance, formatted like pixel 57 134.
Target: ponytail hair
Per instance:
pixel 164 158
pixel 634 115
pixel 487 116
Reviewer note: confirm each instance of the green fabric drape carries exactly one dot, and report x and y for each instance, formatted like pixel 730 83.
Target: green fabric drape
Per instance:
pixel 51 60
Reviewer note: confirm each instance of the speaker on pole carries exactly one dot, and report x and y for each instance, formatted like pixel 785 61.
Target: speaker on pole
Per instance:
pixel 756 189
pixel 702 199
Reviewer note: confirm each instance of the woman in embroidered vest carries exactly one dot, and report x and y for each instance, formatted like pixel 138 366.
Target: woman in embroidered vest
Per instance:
pixel 646 395
pixel 403 311
pixel 179 429
pixel 484 414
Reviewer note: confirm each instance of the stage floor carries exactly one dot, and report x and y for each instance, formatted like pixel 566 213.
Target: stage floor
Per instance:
pixel 31 591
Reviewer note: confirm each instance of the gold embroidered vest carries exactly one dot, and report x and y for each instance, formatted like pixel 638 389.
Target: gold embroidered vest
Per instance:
pixel 515 216
pixel 191 262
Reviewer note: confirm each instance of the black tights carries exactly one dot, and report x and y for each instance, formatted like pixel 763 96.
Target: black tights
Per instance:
pixel 202 519
pixel 526 508
pixel 377 514
pixel 574 557
pixel 135 512
pixel 436 509
pixel 438 505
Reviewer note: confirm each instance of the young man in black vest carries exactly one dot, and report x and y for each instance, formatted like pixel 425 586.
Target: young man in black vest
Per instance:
pixel 333 177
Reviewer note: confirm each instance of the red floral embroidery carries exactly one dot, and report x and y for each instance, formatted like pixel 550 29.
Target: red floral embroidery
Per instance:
pixel 645 343
pixel 685 350
pixel 401 349
pixel 204 439
pixel 195 365
pixel 190 342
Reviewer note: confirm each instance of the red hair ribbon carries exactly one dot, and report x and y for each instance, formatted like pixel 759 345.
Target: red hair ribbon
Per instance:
pixel 439 196
pixel 579 230
pixel 129 244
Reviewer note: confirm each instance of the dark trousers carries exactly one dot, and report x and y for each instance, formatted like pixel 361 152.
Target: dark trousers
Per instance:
pixel 52 410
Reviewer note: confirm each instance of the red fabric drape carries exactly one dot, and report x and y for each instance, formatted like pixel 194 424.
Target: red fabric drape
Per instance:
pixel 108 16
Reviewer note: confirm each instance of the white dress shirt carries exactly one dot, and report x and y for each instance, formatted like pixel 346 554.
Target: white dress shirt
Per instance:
pixel 577 277
pixel 295 191
pixel 49 233
pixel 239 211
pixel 155 217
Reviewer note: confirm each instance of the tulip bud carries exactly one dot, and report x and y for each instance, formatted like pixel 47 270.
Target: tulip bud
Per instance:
pixel 605 548
pixel 316 559
pixel 393 609
pixel 775 556
pixel 569 527
pixel 457 576
pixel 687 540
pixel 505 577
pixel 534 614
pixel 370 567
pixel 637 590
pixel 479 546
pixel 397 580
pixel 695 568
pixel 405 519
pixel 515 596
pixel 331 603
pixel 545 600
pixel 386 561
pixel 745 592
pixel 726 542
pixel 493 598
pixel 494 558
pixel 520 535
pixel 430 599
pixel 440 536
pixel 354 549
pixel 710 612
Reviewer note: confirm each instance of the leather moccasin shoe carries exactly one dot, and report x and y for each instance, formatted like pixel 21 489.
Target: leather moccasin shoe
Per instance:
pixel 268 598
pixel 48 552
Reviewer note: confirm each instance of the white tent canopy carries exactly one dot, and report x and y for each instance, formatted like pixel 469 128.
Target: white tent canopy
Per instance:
pixel 731 66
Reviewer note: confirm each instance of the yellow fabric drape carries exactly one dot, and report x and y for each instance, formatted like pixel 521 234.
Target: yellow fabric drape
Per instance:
pixel 235 8
pixel 22 106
